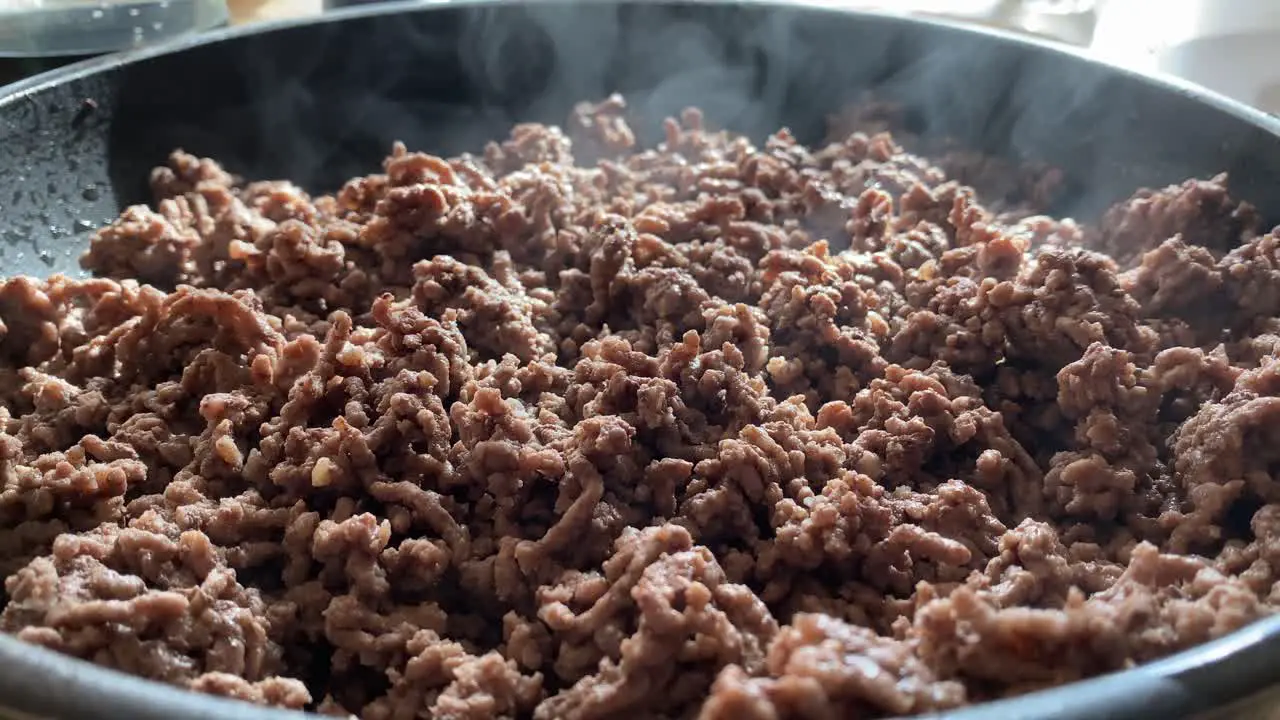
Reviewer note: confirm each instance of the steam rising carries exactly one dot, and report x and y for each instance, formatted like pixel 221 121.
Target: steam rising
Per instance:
pixel 322 103
pixel 662 56
pixel 755 68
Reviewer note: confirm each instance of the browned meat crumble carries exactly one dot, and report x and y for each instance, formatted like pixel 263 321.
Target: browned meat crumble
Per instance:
pixel 704 430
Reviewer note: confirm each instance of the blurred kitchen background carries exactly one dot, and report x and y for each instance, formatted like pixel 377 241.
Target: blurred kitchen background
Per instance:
pixel 1232 46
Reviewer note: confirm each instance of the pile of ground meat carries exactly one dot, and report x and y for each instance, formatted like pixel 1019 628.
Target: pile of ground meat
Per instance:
pixel 577 429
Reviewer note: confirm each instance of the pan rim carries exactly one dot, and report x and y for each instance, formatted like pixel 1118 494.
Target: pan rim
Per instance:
pixel 1172 687
pixel 15 91
pixel 39 681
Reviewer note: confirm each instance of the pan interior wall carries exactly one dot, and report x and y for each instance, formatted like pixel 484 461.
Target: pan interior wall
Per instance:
pixel 323 101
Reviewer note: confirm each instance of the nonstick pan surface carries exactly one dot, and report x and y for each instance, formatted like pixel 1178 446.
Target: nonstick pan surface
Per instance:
pixel 322 100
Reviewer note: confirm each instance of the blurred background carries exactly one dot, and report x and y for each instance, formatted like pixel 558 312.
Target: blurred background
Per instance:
pixel 1232 46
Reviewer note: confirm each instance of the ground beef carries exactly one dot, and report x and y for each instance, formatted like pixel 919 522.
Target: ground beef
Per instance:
pixel 580 429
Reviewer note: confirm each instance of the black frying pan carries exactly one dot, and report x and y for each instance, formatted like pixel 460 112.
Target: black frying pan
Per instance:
pixel 320 101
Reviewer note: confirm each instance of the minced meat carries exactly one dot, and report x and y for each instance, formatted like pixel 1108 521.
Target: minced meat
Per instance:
pixel 709 429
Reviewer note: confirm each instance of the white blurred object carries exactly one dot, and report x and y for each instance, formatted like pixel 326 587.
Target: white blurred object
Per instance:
pixel 48 28
pixel 1071 21
pixel 964 9
pixel 1231 46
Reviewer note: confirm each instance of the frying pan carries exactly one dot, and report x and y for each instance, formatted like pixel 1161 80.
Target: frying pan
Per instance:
pixel 320 101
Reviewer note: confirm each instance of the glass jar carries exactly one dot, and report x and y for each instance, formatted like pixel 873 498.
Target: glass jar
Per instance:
pixel 79 28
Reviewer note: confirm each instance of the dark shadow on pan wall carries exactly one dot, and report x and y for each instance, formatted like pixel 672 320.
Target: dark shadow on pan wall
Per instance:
pixel 319 102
